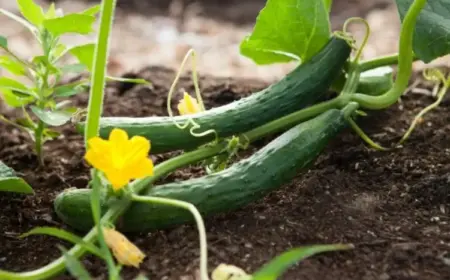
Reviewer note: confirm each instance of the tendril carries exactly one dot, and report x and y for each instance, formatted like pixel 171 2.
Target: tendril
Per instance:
pixel 366 35
pixel 364 136
pixel 190 120
pixel 437 76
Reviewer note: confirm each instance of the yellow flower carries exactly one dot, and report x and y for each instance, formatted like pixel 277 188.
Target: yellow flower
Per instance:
pixel 120 158
pixel 125 252
pixel 188 105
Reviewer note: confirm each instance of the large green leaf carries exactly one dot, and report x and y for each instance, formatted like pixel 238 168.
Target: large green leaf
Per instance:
pixel 10 182
pixel 31 11
pixel 280 264
pixel 71 23
pixel 288 30
pixel 432 33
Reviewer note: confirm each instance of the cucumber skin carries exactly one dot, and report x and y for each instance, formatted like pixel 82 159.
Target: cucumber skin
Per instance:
pixel 304 86
pixel 244 182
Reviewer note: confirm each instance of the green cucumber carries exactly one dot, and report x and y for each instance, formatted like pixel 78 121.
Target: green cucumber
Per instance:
pixel 304 86
pixel 242 183
pixel 376 81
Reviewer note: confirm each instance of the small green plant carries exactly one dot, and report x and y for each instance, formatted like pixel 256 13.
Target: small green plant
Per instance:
pixel 36 87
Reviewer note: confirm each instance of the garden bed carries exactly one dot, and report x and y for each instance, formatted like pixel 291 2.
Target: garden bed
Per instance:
pixel 393 206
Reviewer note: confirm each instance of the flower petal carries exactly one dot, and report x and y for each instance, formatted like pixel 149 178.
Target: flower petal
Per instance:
pixel 188 105
pixel 117 178
pixel 97 160
pixel 140 169
pixel 138 148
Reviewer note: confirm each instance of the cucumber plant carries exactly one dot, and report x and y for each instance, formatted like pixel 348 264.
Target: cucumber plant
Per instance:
pixel 34 85
pixel 305 130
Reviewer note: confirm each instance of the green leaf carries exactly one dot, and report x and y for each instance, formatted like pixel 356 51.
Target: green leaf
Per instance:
pixel 92 11
pixel 58 51
pixel 12 65
pixel 65 235
pixel 84 54
pixel 9 182
pixel 42 61
pixel 328 4
pixel 280 264
pixel 31 11
pixel 3 42
pixel 51 12
pixel 71 23
pixel 52 118
pixel 13 85
pixel 73 68
pixel 69 90
pixel 432 33
pixel 141 277
pixel 51 134
pixel 26 123
pixel 288 30
pixel 14 100
pixel 74 266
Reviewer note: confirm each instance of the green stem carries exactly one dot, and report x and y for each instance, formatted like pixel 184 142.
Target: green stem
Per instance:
pixel 95 206
pixel 294 118
pixel 200 225
pixel 382 61
pixel 99 70
pixel 38 134
pixel 352 81
pixel 405 59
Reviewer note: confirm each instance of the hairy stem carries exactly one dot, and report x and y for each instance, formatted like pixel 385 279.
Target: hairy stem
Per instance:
pixel 99 70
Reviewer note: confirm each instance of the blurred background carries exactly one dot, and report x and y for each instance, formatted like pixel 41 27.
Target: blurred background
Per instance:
pixel 160 32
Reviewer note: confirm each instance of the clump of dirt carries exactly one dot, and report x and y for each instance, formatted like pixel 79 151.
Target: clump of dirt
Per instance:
pixel 392 205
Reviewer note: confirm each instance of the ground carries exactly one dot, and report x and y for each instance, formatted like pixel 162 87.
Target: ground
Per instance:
pixel 393 205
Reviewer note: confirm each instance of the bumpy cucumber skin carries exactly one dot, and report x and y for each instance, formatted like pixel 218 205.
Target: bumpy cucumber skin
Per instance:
pixel 244 182
pixel 305 85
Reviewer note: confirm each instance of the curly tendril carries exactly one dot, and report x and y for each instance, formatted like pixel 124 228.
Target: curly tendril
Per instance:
pixel 190 121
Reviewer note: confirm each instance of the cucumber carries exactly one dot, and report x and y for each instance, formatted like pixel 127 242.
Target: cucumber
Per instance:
pixel 240 184
pixel 304 86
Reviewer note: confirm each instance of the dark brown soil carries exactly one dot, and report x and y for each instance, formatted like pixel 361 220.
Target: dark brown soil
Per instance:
pixel 392 205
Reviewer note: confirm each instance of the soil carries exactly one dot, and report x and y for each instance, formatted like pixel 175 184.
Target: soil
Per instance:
pixel 393 206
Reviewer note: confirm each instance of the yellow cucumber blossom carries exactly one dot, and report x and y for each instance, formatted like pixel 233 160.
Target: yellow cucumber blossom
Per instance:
pixel 120 158
pixel 188 105
pixel 124 251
